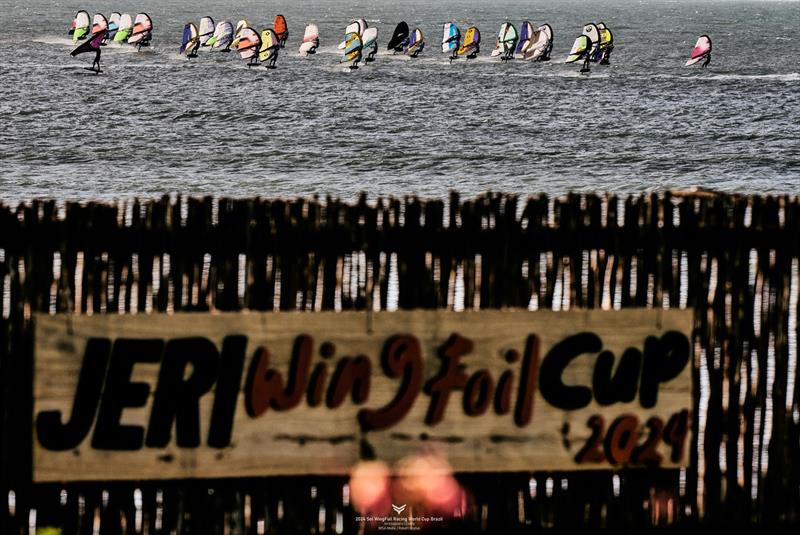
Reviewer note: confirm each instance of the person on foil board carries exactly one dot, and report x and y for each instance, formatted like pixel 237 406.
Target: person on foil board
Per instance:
pixel 603 53
pixel 281 30
pixel 93 44
pixel 701 52
pixel 399 41
pixel 190 42
pixel 369 42
pixel 584 47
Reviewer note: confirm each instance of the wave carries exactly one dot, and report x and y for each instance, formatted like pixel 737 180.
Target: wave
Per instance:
pixel 788 77
pixel 55 40
pixel 711 76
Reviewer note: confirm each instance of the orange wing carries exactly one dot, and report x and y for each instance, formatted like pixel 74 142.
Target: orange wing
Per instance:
pixel 280 25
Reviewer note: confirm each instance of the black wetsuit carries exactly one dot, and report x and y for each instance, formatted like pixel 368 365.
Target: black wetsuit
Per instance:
pixel 707 61
pixel 605 60
pixel 546 55
pixel 96 62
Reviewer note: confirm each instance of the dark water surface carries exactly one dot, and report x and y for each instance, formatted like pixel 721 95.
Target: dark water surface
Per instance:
pixel 155 122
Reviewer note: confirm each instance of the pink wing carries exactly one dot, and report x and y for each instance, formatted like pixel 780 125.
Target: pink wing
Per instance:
pixel 702 47
pixel 98 38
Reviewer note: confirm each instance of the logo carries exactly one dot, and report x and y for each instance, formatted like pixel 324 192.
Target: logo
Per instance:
pixel 399 508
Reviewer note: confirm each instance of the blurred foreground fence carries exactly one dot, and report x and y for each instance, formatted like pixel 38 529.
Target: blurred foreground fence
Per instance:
pixel 732 259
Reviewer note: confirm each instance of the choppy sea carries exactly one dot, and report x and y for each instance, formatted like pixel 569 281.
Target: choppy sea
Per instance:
pixel 155 122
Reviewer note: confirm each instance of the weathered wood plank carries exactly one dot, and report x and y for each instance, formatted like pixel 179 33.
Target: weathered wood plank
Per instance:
pixel 314 439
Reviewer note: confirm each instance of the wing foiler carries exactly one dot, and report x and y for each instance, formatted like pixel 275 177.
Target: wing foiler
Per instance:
pixel 270 46
pixel 352 50
pixel 546 31
pixel 451 39
pixel 472 43
pixel 603 54
pixel 399 38
pixel 247 45
pixel 113 25
pixel 538 47
pixel 507 40
pixel 125 29
pixel 222 38
pixel 593 33
pixel 80 26
pixel 190 40
pixel 526 32
pixel 206 31
pixel 310 40
pixel 416 43
pixel 580 50
pixel 369 42
pixel 142 30
pixel 92 44
pixel 701 51
pixel 281 30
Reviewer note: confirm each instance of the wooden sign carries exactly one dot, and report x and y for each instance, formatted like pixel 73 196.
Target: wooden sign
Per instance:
pixel 249 394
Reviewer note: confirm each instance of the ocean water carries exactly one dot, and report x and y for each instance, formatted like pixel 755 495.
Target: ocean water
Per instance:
pixel 155 122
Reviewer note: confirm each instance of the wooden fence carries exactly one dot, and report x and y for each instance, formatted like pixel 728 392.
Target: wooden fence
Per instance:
pixel 732 259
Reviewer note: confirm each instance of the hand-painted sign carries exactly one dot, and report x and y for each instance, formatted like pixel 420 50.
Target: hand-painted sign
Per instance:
pixel 245 394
